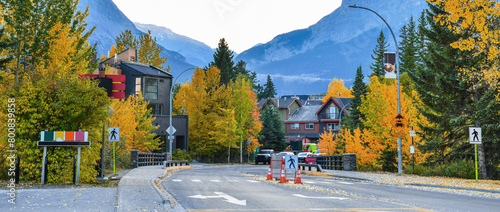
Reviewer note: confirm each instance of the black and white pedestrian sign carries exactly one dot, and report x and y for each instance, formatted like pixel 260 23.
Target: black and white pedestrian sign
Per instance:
pixel 291 162
pixel 475 135
pixel 114 134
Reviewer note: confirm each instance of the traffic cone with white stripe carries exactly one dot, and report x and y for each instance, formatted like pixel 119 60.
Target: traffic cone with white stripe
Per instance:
pixel 269 174
pixel 297 177
pixel 282 176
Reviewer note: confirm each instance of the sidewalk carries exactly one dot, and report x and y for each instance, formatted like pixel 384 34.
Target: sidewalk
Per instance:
pixel 488 186
pixel 141 190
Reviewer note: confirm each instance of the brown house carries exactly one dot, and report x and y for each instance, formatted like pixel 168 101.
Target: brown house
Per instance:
pixel 310 121
pixel 286 106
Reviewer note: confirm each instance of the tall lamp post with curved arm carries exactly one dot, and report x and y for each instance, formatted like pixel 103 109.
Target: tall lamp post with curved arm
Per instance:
pixel 400 159
pixel 171 133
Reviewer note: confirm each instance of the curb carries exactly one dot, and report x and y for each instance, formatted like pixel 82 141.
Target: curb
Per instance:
pixel 169 202
pixel 454 187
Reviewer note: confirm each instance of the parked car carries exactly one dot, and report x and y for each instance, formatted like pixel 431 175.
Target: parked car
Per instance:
pixel 302 156
pixel 264 156
pixel 311 159
pixel 286 153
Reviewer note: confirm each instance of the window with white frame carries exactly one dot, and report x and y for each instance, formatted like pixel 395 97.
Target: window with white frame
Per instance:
pixel 294 126
pixel 309 126
pixel 151 88
pixel 332 112
pixel 137 85
pixel 333 126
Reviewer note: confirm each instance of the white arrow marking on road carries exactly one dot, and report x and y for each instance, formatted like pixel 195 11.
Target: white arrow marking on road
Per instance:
pixel 300 195
pixel 228 198
pixel 231 199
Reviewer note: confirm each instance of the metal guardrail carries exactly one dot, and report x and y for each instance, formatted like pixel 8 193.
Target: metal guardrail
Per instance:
pixel 138 159
pixel 346 162
pixel 317 166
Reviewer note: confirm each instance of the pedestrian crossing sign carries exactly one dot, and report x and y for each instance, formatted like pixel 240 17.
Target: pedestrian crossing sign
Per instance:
pixel 291 162
pixel 114 134
pixel 475 135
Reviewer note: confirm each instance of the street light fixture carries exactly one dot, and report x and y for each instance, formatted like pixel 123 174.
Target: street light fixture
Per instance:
pixel 400 159
pixel 170 137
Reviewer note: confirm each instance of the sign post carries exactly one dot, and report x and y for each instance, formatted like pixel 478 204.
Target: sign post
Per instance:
pixel 170 130
pixel 475 138
pixel 412 149
pixel 114 136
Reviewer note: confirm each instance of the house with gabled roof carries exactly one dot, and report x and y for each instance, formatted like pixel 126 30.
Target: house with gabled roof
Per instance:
pixel 311 120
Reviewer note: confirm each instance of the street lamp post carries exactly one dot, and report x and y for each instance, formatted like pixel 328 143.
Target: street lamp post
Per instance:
pixel 170 115
pixel 400 158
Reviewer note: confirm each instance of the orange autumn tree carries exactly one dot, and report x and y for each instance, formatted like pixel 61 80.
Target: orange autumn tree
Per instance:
pixel 336 88
pixel 328 144
pixel 376 142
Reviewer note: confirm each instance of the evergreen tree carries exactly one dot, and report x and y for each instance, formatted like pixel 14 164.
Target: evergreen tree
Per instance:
pixel 240 68
pixel 271 136
pixel 444 94
pixel 408 47
pixel 223 60
pixel 4 44
pixel 378 55
pixel 269 91
pixel 359 89
pixel 421 39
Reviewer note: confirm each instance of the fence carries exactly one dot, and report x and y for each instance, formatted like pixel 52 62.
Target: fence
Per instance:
pixel 346 162
pixel 138 159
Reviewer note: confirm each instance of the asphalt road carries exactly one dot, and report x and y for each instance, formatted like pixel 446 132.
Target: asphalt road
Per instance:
pixel 244 188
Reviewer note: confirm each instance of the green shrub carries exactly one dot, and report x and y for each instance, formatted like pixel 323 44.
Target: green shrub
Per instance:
pixel 463 168
pixel 181 155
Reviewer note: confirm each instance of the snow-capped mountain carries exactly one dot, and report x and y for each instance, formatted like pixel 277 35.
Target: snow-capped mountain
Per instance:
pixel 305 61
pixel 111 22
pixel 195 51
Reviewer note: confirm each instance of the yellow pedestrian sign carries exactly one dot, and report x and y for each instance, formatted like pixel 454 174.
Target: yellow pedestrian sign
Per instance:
pixel 399 122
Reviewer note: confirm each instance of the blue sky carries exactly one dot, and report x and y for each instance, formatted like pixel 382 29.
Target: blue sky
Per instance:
pixel 243 23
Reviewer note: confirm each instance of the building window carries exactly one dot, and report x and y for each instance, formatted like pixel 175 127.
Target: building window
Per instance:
pixel 333 126
pixel 137 85
pixel 151 88
pixel 294 126
pixel 288 111
pixel 309 126
pixel 156 109
pixel 332 112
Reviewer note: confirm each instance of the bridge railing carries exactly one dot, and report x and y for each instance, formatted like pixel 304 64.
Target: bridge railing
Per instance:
pixel 346 162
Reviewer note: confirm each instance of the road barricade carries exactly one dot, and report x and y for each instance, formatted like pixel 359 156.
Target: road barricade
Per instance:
pixel 276 162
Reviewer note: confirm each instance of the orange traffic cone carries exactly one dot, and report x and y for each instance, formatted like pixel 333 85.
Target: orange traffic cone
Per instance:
pixel 269 174
pixel 297 177
pixel 283 176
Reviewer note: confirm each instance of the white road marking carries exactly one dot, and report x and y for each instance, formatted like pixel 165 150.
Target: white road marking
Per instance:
pixel 234 181
pixel 308 182
pixel 177 180
pixel 300 195
pixel 253 181
pixel 346 183
pixel 198 181
pixel 228 198
pixel 215 181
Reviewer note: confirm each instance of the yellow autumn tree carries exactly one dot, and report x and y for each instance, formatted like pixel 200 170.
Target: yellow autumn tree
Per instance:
pixel 212 125
pixel 336 88
pixel 478 21
pixel 135 122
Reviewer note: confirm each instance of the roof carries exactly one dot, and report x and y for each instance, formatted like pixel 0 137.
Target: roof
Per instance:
pixel 279 102
pixel 146 69
pixel 305 113
pixel 342 103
